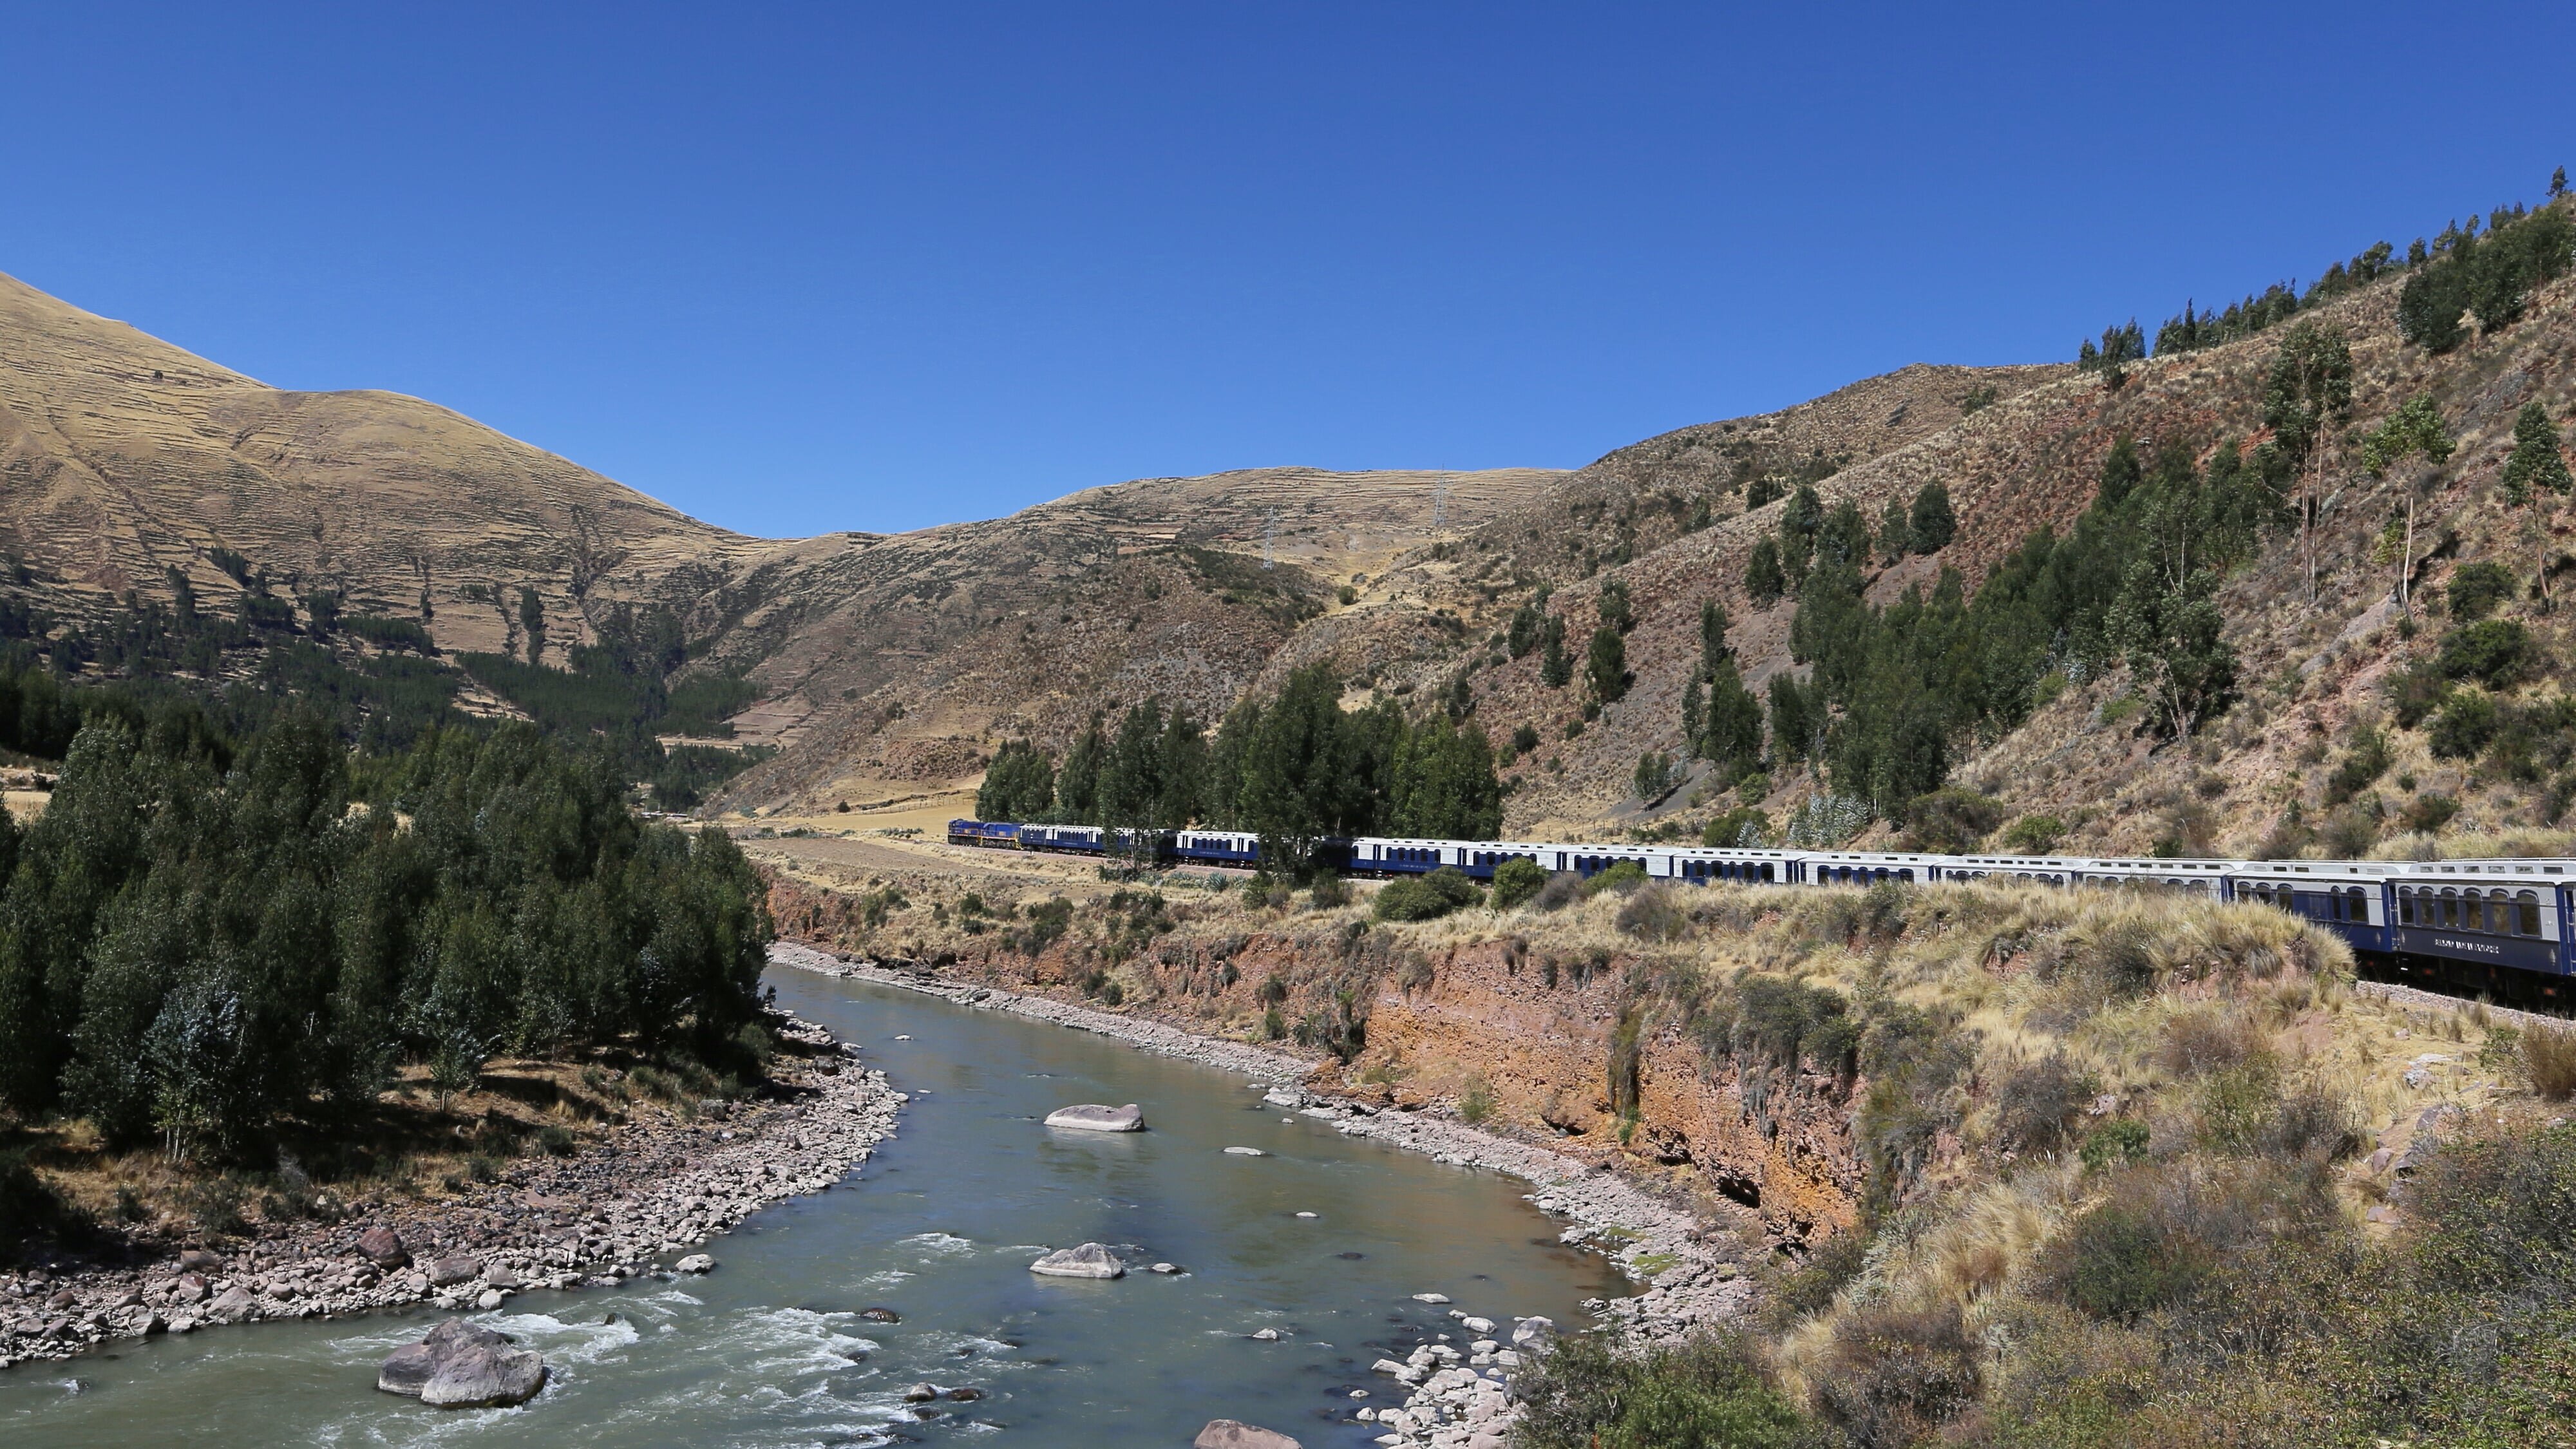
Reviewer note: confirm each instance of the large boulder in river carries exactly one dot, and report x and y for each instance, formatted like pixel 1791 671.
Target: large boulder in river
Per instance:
pixel 460 1366
pixel 485 1378
pixel 1093 1117
pixel 1091 1260
pixel 1228 1434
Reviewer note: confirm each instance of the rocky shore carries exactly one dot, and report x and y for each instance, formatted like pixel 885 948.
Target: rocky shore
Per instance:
pixel 603 1215
pixel 1692 1278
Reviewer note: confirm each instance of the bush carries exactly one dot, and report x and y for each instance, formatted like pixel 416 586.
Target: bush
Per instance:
pixel 1328 892
pixel 2500 1215
pixel 1741 828
pixel 2476 589
pixel 1651 914
pixel 2428 813
pixel 2113 1144
pixel 1562 889
pixel 2494 652
pixel 1952 820
pixel 1428 897
pixel 1587 1393
pixel 1626 875
pixel 2464 727
pixel 2035 1102
pixel 2123 1260
pixel 1476 1101
pixel 2034 834
pixel 2363 763
pixel 2544 1057
pixel 1517 880
pixel 1894 1377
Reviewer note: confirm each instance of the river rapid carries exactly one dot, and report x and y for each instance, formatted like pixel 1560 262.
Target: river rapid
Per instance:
pixel 1324 1238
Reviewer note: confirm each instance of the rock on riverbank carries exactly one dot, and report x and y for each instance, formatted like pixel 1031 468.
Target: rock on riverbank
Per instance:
pixel 607 1213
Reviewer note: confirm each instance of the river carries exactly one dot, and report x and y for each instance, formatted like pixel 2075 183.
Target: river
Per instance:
pixel 1325 1238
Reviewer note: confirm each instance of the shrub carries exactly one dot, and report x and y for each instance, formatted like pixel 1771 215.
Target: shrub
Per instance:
pixel 2204 1040
pixel 1517 880
pixel 2475 590
pixel 1743 827
pixel 1952 820
pixel 2034 834
pixel 2123 1259
pixel 2035 1102
pixel 2494 652
pixel 2544 1057
pixel 1626 875
pixel 2113 1144
pixel 1562 889
pixel 1651 914
pixel 2428 813
pixel 2415 693
pixel 2464 727
pixel 2363 763
pixel 1428 897
pixel 557 1141
pixel 1809 1288
pixel 1328 892
pixel 1893 1377
pixel 2498 1214
pixel 1476 1101
pixel 1589 1393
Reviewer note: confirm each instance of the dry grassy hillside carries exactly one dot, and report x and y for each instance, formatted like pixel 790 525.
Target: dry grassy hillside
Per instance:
pixel 2030 459
pixel 122 457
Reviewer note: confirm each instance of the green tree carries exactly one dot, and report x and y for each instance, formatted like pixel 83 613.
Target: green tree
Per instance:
pixel 1932 525
pixel 1794 723
pixel 1298 780
pixel 1694 717
pixel 2121 471
pixel 1605 666
pixel 2415 427
pixel 1800 519
pixel 1077 785
pixel 1555 670
pixel 1895 534
pixel 1528 621
pixel 1445 786
pixel 2310 385
pixel 1764 580
pixel 532 619
pixel 2535 478
pixel 1018 785
pixel 1613 605
pixel 1733 733
pixel 2172 635
pixel 1713 625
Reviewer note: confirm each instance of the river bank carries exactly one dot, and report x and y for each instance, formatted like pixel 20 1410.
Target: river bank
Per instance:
pixel 1691 1271
pixel 603 1215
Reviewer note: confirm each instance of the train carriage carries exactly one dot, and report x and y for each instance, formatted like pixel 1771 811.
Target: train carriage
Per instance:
pixel 2043 869
pixel 2512 914
pixel 1218 847
pixel 2348 897
pixel 992 834
pixel 2204 878
pixel 1869 867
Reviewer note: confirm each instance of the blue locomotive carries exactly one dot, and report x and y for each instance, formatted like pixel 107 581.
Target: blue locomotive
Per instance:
pixel 2503 926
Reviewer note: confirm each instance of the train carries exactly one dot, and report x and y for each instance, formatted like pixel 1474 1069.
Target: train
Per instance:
pixel 2502 927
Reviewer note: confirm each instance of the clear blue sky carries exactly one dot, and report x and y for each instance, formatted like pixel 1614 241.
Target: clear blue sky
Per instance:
pixel 800 268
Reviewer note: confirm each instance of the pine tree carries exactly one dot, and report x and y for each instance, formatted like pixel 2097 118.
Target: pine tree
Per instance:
pixel 1527 621
pixel 2558 183
pixel 1694 718
pixel 1018 785
pixel 1712 636
pixel 2535 477
pixel 1793 727
pixel 2121 471
pixel 1931 526
pixel 1764 581
pixel 1733 733
pixel 1895 535
pixel 1077 785
pixel 1606 665
pixel 1554 669
pixel 1800 519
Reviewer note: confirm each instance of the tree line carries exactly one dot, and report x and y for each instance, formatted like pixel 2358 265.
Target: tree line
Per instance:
pixel 1295 769
pixel 206 935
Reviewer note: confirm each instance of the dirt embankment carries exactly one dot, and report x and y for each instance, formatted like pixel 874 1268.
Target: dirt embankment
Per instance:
pixel 1527 1036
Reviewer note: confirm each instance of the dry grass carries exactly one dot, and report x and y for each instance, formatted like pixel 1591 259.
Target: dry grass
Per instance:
pixel 2549 1061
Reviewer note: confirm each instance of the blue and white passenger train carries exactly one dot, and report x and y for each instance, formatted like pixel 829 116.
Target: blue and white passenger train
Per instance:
pixel 2505 926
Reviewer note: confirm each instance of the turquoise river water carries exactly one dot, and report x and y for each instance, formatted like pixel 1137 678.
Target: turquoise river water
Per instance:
pixel 940 1226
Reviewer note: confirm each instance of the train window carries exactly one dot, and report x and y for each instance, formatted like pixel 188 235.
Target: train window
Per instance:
pixel 2450 918
pixel 2499 912
pixel 2360 903
pixel 2526 910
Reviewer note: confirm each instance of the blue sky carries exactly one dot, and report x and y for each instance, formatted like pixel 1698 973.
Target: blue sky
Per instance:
pixel 801 268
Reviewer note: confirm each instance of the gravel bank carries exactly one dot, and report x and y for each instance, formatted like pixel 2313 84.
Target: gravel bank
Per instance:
pixel 603 1215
